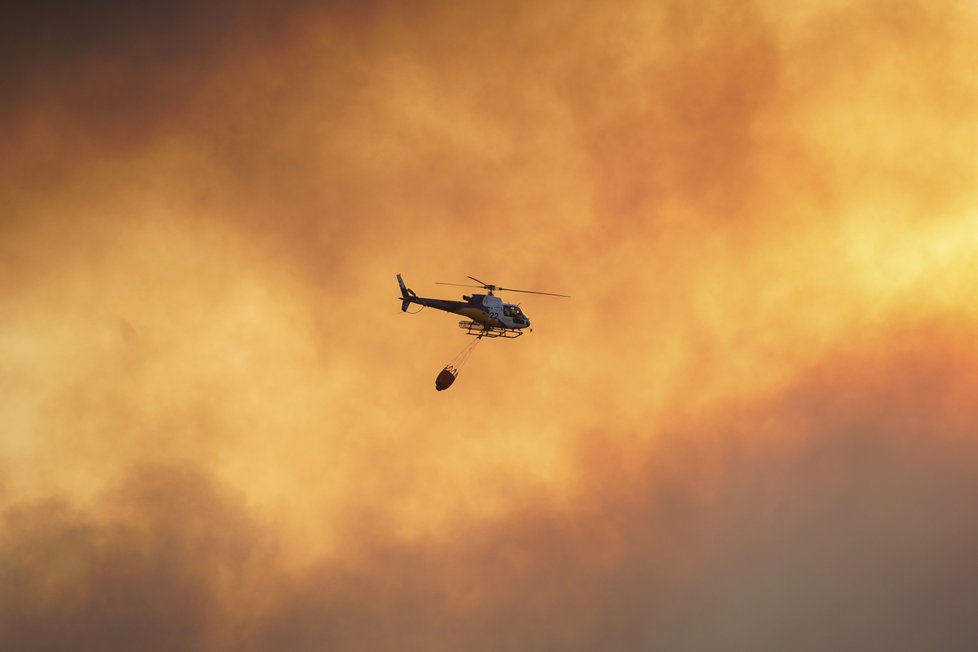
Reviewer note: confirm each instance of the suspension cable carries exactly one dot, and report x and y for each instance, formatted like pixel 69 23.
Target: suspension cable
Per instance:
pixel 459 360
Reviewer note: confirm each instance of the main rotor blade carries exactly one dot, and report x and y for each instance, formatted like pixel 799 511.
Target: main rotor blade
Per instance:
pixel 459 285
pixel 496 288
pixel 549 294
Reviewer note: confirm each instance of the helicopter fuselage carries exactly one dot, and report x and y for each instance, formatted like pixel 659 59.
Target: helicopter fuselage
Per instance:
pixel 486 309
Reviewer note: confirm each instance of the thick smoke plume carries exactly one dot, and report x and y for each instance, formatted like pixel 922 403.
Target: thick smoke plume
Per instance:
pixel 752 428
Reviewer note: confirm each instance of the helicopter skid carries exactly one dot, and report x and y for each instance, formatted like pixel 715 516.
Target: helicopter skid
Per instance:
pixel 481 330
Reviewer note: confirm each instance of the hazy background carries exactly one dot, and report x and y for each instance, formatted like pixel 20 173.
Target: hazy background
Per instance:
pixel 753 427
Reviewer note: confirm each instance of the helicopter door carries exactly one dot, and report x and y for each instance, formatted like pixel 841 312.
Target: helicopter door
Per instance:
pixel 515 315
pixel 519 318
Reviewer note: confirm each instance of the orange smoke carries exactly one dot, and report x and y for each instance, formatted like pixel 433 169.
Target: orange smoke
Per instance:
pixel 221 433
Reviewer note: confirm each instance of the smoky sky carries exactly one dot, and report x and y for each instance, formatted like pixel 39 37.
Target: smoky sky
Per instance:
pixel 854 535
pixel 751 428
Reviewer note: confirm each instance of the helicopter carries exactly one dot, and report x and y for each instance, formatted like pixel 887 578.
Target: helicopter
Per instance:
pixel 488 315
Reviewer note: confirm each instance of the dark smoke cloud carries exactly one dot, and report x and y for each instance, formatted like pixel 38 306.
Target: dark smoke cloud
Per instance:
pixel 812 521
pixel 97 83
pixel 154 568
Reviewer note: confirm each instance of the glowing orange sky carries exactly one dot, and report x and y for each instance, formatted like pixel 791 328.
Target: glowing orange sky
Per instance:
pixel 768 221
